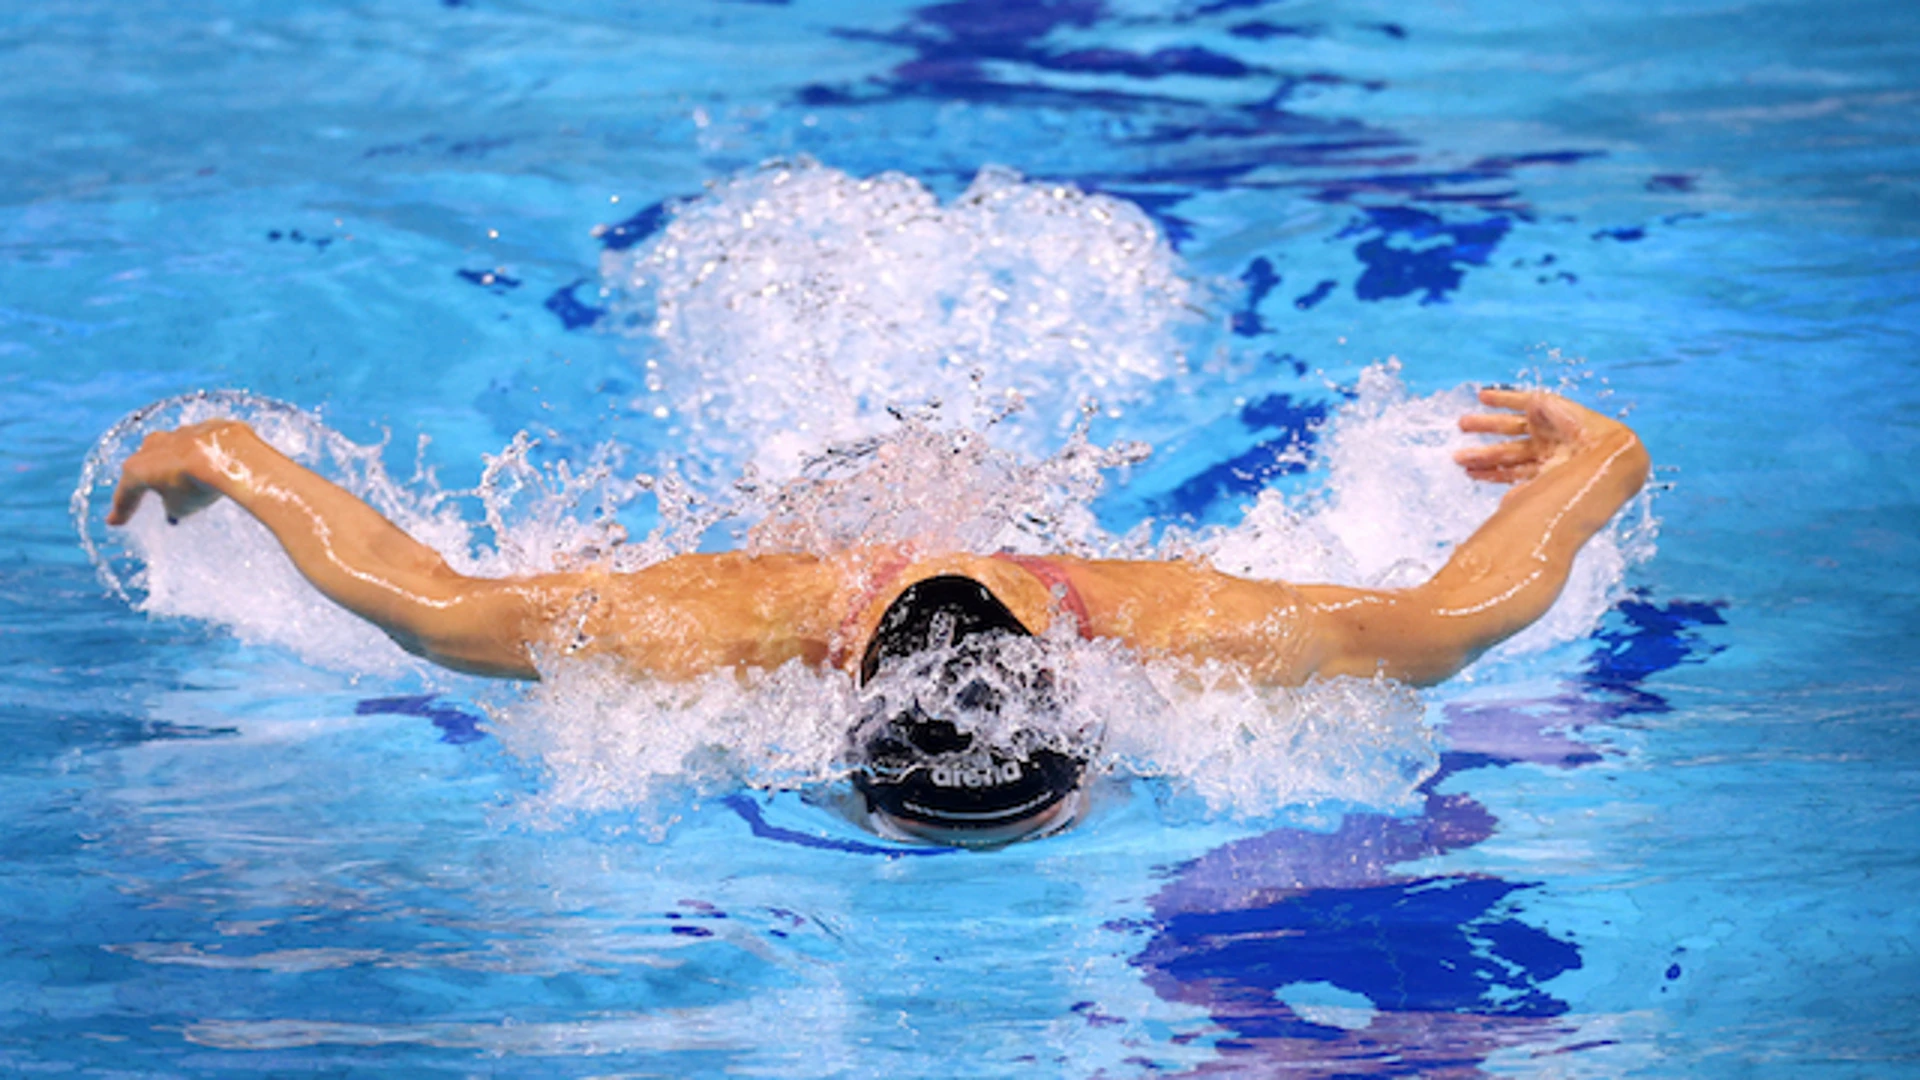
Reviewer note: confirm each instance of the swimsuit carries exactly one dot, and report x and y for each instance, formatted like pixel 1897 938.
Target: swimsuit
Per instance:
pixel 1057 583
pixel 890 569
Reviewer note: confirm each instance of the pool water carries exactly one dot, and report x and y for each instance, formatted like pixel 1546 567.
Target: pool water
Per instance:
pixel 1205 277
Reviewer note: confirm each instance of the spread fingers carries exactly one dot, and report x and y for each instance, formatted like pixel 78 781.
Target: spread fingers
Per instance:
pixel 1498 454
pixel 1504 474
pixel 1501 397
pixel 1493 424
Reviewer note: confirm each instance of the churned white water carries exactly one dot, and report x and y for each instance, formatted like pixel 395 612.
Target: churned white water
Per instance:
pixel 793 306
pixel 802 324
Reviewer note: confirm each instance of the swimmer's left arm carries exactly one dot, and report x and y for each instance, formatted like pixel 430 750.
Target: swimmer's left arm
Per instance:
pixel 1572 468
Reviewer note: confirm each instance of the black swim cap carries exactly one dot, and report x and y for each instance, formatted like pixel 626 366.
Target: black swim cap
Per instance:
pixel 926 769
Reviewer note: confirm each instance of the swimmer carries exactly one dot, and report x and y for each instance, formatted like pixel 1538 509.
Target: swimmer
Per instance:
pixel 943 623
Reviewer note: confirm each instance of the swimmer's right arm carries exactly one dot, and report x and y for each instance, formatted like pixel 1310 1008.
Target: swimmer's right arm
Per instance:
pixel 355 557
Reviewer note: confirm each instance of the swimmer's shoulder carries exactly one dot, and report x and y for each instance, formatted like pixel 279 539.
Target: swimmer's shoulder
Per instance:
pixel 1116 579
pixel 1188 609
pixel 691 614
pixel 728 578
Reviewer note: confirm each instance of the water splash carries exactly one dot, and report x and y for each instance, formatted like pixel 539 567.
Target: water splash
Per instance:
pixel 1393 505
pixel 608 744
pixel 940 489
pixel 791 307
pixel 223 567
pixel 800 323
pixel 1390 508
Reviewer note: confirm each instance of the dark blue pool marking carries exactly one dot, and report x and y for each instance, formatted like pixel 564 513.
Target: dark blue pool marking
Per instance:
pixel 697 909
pixel 757 823
pixel 435 143
pixel 491 280
pixel 1312 297
pixel 958 48
pixel 320 243
pixel 570 310
pixel 1287 360
pixel 1216 7
pixel 1671 183
pixel 53 732
pixel 1320 141
pixel 955 42
pixel 1640 639
pixel 1261 30
pixel 1673 972
pixel 1176 60
pixel 1451 970
pixel 1260 280
pixel 1657 638
pixel 456 724
pixel 1432 944
pixel 1547 277
pixel 644 223
pixel 952 40
pixel 564 302
pixel 1629 234
pixel 1430 257
pixel 1444 958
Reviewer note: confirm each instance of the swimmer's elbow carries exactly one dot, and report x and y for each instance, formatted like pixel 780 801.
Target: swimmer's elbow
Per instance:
pixel 489 658
pixel 1432 666
pixel 1421 665
pixel 1397 635
pixel 481 630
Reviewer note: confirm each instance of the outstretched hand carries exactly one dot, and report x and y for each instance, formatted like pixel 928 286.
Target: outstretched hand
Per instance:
pixel 1547 431
pixel 166 464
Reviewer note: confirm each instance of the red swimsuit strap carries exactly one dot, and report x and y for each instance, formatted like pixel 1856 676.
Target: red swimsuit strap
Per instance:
pixel 888 572
pixel 1057 582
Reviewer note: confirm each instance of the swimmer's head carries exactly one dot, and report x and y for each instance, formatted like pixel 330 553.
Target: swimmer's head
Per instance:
pixel 925 766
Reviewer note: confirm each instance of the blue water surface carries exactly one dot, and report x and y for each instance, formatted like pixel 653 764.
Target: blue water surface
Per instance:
pixel 1687 846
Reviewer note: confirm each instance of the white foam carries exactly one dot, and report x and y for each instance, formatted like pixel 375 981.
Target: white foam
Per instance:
pixel 790 307
pixel 1254 750
pixel 605 742
pixel 941 489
